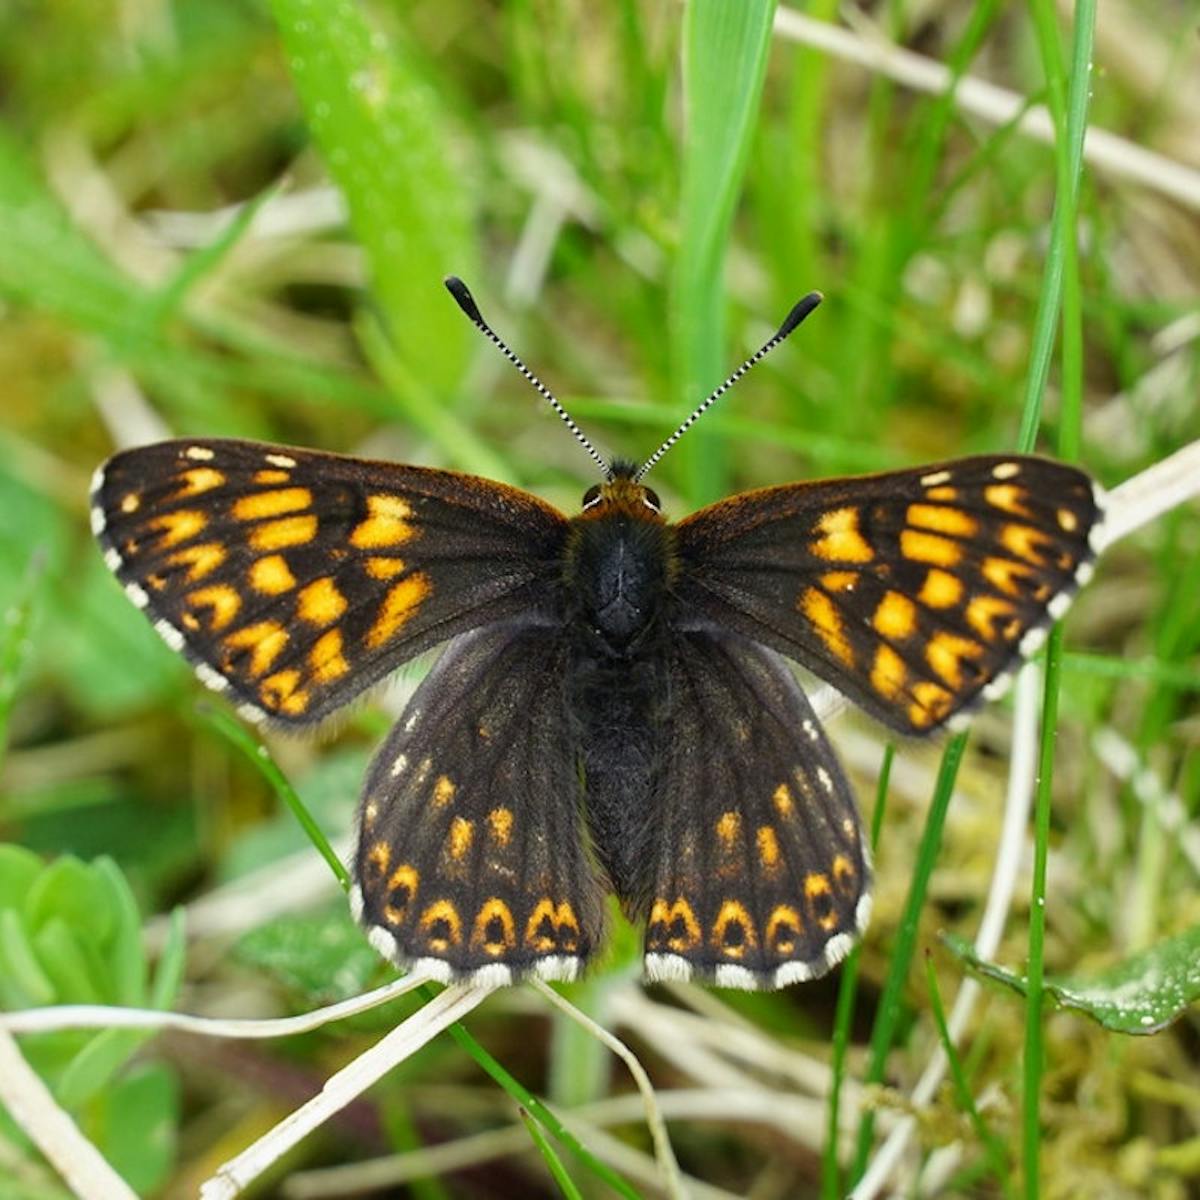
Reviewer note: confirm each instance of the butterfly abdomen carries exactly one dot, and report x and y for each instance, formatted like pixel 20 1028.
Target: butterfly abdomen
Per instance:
pixel 619 567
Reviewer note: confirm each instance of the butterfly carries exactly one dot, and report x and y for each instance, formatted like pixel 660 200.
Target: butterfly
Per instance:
pixel 614 711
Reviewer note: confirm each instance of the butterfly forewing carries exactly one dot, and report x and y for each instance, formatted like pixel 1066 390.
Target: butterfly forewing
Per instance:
pixel 295 579
pixel 913 592
pixel 471 856
pixel 761 877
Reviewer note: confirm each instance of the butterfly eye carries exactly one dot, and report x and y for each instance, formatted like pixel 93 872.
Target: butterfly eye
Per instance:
pixel 652 500
pixel 591 495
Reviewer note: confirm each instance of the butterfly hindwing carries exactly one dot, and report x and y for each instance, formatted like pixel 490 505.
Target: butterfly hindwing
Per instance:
pixel 294 579
pixel 760 874
pixel 913 592
pixel 471 858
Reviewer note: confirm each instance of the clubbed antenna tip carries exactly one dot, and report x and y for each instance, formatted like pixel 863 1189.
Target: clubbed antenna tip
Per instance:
pixel 465 301
pixel 800 310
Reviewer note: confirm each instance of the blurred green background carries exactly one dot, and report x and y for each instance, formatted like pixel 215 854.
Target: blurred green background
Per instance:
pixel 228 217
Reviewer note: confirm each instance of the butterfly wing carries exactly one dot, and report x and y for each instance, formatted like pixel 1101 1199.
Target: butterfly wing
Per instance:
pixel 294 579
pixel 471 858
pixel 912 592
pixel 760 873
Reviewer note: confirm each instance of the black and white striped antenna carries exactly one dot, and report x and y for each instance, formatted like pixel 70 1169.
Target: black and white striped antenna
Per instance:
pixel 800 310
pixel 462 294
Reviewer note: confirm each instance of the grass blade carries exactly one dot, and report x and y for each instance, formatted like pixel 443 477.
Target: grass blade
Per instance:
pixel 890 1003
pixel 383 132
pixel 725 49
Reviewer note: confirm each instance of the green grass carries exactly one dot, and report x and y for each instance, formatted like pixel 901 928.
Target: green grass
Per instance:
pixel 636 194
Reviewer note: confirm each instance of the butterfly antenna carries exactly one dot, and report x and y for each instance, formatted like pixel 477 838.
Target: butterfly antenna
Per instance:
pixel 465 301
pixel 800 310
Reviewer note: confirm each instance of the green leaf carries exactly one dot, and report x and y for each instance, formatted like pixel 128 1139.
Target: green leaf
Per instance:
pixel 69 964
pixel 138 1123
pixel 383 132
pixel 1141 994
pixel 124 954
pixel 23 982
pixel 70 890
pixel 92 1069
pixel 15 642
pixel 324 957
pixel 18 869
pixel 169 975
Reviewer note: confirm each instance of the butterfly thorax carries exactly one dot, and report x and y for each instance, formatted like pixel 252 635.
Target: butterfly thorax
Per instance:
pixel 620 567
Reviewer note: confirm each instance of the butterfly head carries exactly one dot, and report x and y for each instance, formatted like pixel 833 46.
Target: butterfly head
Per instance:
pixel 621 493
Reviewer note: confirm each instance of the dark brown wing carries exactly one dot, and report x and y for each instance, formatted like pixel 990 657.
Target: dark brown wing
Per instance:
pixel 471 858
pixel 760 876
pixel 294 579
pixel 911 591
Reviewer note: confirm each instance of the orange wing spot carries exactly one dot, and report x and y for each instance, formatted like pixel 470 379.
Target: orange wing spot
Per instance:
pixel 844 875
pixel 200 479
pixel 842 541
pixel 222 601
pixel 931 702
pixel 984 611
pixel 1025 542
pixel 458 840
pixel 271 477
pixel 443 791
pixel 768 849
pixel 942 493
pixel 179 526
pixel 930 548
pixel 1067 520
pixel 282 692
pixel 384 568
pixel 942 519
pixel 1008 497
pixel 320 603
pixel 728 827
pixel 189 622
pixel 287 531
pixel 673 925
pixel 379 857
pixel 827 623
pixel 441 925
pixel 1005 575
pixel 398 608
pixel 326 659
pixel 733 931
pixel 265 640
pixel 888 673
pixel 494 928
pixel 839 581
pixel 783 928
pixel 271 576
pixel 131 502
pixel 500 823
pixel 386 523
pixel 200 560
pixel 896 617
pixel 402 891
pixel 552 927
pixel 782 799
pixel 940 589
pixel 261 505
pixel 818 895
pixel 945 654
